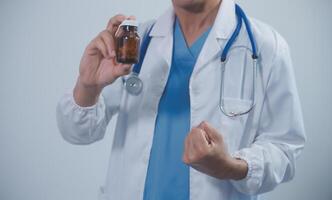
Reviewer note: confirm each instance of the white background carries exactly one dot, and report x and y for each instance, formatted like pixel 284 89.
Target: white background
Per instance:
pixel 41 43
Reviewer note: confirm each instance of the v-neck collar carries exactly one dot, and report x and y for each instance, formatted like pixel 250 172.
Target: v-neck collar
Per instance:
pixel 196 47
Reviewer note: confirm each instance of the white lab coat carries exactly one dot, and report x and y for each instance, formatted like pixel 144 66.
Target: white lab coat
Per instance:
pixel 269 138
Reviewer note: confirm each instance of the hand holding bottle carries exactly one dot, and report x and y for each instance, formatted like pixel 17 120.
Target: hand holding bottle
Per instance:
pixel 98 66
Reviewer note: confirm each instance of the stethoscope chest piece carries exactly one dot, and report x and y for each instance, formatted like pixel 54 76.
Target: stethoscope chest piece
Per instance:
pixel 134 84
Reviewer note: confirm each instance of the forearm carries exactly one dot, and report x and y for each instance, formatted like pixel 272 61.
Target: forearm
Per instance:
pixel 232 169
pixel 239 169
pixel 86 96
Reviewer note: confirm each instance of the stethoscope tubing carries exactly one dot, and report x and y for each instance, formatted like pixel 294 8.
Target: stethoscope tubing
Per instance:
pixel 241 18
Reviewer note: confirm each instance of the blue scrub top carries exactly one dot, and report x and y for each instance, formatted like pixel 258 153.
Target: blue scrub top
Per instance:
pixel 168 177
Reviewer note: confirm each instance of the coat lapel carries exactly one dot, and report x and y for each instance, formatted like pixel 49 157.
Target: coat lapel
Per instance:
pixel 163 33
pixel 221 31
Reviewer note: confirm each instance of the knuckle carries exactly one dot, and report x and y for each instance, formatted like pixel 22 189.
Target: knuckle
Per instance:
pixel 184 159
pixel 195 130
pixel 116 18
pixel 119 15
pixel 98 40
pixel 196 156
pixel 109 37
pixel 106 33
pixel 103 33
pixel 106 36
pixel 94 40
pixel 201 153
pixel 191 158
pixel 189 137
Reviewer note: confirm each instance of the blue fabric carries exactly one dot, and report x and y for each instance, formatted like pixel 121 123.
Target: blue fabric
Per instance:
pixel 168 177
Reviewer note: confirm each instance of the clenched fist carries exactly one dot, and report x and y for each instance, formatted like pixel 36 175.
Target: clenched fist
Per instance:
pixel 206 152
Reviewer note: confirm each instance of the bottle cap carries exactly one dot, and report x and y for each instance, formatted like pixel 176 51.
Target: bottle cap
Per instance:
pixel 129 22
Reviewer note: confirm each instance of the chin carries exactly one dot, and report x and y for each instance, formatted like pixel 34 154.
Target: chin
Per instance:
pixel 191 5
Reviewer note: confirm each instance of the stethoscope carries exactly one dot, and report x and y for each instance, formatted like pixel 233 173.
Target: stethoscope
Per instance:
pixel 134 84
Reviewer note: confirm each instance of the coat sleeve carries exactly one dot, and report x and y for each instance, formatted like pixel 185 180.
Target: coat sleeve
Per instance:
pixel 85 125
pixel 280 135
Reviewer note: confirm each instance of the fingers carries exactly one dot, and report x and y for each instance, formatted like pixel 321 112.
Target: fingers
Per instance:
pixel 196 146
pixel 109 42
pixel 100 45
pixel 200 137
pixel 121 70
pixel 103 44
pixel 115 21
pixel 200 143
pixel 132 17
pixel 212 133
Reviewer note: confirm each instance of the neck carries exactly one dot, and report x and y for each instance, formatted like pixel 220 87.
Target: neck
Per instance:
pixel 196 19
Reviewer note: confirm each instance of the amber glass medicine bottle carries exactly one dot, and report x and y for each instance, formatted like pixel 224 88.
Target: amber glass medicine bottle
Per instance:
pixel 127 42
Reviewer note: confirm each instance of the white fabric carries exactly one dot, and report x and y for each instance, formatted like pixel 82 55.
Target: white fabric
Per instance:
pixel 269 138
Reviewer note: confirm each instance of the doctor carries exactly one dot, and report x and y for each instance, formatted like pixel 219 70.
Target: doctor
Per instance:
pixel 172 141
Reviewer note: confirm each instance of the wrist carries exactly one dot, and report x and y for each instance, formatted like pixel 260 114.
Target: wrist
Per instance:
pixel 86 96
pixel 238 168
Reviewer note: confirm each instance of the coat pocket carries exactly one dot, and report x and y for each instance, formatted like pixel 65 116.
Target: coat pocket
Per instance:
pixel 234 105
pixel 234 128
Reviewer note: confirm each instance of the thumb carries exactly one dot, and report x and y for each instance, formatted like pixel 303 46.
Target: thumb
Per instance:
pixel 121 69
pixel 211 132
